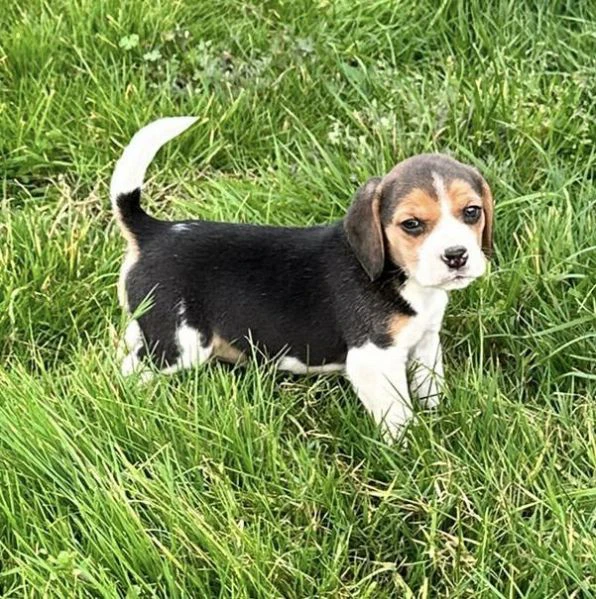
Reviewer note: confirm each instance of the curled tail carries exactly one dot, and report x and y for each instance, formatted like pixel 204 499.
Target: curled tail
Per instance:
pixel 127 180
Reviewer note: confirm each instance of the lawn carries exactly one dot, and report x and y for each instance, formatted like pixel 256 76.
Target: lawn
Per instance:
pixel 247 483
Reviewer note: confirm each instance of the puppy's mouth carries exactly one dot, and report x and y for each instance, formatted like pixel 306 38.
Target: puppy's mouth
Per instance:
pixel 457 281
pixel 447 279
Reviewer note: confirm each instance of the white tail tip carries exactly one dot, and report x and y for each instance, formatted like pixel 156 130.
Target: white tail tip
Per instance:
pixel 132 165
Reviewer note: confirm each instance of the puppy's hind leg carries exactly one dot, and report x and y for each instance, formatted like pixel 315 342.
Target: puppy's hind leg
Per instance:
pixel 193 349
pixel 134 361
pixel 168 342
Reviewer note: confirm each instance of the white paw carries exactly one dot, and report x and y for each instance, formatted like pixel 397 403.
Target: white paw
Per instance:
pixel 131 365
pixel 430 401
pixel 394 424
pixel 428 392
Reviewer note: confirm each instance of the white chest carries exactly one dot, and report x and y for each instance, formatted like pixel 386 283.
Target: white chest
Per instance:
pixel 429 305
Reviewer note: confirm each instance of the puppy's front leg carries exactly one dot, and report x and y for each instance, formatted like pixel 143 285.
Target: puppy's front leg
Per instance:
pixel 379 377
pixel 428 369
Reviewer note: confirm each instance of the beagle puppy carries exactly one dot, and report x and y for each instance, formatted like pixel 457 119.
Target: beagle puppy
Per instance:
pixel 365 295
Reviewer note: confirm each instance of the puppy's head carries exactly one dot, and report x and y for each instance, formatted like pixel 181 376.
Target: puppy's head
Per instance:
pixel 431 216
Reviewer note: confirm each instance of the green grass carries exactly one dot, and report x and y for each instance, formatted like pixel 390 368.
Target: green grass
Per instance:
pixel 243 482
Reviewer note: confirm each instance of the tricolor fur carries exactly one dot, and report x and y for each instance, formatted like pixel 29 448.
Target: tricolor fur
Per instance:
pixel 365 295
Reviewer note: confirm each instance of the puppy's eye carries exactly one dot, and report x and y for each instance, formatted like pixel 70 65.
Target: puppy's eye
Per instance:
pixel 412 226
pixel 472 214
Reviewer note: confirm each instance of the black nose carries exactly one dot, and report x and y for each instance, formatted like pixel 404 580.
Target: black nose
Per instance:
pixel 455 256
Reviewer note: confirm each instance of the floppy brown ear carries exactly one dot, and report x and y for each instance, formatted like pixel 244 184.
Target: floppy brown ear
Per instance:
pixel 363 228
pixel 487 232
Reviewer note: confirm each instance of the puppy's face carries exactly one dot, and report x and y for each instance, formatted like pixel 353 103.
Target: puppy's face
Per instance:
pixel 431 216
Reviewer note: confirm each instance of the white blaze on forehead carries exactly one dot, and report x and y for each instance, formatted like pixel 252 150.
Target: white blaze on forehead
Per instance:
pixel 439 185
pixel 448 225
pixel 443 195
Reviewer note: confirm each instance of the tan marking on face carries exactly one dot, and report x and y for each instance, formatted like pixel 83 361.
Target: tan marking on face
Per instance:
pixel 225 351
pixel 461 195
pixel 397 322
pixel 403 247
